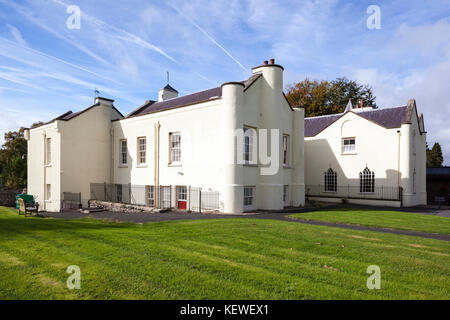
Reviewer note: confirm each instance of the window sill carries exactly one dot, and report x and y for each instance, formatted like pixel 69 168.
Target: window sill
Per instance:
pixel 123 166
pixel 349 154
pixel 49 165
pixel 251 165
pixel 175 164
pixel 142 166
pixel 286 166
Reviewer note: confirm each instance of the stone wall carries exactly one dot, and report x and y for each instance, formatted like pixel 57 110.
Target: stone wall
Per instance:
pixel 126 208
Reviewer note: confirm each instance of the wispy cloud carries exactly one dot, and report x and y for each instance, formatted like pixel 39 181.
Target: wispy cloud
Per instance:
pixel 208 36
pixel 17 35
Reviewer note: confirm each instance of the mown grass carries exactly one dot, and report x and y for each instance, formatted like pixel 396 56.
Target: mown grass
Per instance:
pixel 385 219
pixel 214 259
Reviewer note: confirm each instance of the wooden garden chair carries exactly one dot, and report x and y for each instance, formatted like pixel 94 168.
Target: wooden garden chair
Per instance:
pixel 24 209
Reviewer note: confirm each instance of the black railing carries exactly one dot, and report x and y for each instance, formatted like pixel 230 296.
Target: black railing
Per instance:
pixel 184 198
pixel 355 192
pixel 71 200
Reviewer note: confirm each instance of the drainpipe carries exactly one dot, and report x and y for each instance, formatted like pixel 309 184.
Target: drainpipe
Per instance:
pixel 45 171
pixel 398 164
pixel 111 173
pixel 156 188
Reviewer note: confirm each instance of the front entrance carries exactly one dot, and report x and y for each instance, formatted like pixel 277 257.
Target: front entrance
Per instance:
pixel 182 198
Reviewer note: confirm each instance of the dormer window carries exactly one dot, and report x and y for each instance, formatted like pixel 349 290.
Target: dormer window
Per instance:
pixel 348 145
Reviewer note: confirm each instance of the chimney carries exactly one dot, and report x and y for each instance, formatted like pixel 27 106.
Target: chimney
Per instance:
pixel 272 61
pixel 167 93
pixel 362 103
pixel 266 62
pixel 104 101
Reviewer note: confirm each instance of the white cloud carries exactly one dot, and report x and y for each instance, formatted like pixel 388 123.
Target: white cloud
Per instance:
pixel 17 35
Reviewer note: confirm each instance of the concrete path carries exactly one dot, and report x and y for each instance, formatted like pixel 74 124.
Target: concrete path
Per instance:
pixel 282 216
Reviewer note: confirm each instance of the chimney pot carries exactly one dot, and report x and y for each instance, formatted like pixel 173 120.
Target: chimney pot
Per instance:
pixel 266 62
pixel 272 61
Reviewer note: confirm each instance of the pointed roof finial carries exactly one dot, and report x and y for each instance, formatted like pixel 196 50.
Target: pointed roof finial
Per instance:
pixel 349 105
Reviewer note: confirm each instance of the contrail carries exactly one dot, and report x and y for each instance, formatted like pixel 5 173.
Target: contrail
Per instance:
pixel 128 36
pixel 57 59
pixel 208 36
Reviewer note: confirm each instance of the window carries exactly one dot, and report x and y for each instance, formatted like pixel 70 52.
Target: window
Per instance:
pixel 348 145
pixel 248 196
pixel 48 192
pixel 286 194
pixel 119 193
pixel 175 147
pixel 285 149
pixel 48 151
pixel 249 145
pixel 142 151
pixel 367 181
pixel 330 180
pixel 151 196
pixel 123 152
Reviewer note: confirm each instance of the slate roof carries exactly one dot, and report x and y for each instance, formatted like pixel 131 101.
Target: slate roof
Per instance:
pixel 388 118
pixel 190 99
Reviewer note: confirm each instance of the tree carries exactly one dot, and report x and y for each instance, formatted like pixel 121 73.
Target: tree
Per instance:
pixel 434 156
pixel 321 98
pixel 13 159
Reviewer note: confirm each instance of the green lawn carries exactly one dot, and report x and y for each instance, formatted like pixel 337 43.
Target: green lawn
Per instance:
pixel 214 259
pixel 385 219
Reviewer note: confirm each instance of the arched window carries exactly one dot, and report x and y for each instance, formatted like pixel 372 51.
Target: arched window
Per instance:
pixel 367 181
pixel 330 181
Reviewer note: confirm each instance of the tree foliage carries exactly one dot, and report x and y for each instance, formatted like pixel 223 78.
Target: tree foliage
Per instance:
pixel 434 156
pixel 321 98
pixel 13 160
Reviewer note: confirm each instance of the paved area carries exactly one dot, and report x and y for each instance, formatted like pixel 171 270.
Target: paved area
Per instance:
pixel 283 216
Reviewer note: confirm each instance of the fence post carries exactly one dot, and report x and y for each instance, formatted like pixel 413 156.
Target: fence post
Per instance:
pixel 200 199
pixel 189 198
pixel 105 196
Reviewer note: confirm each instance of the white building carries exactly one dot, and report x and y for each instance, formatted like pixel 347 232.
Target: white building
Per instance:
pixel 219 140
pixel 367 156
pixel 185 142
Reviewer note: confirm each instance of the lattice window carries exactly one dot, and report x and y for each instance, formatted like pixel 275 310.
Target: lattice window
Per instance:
pixel 367 181
pixel 249 145
pixel 285 149
pixel 142 150
pixel 123 152
pixel 175 147
pixel 248 196
pixel 330 179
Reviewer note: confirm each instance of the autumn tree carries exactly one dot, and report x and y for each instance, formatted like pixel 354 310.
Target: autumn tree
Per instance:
pixel 321 98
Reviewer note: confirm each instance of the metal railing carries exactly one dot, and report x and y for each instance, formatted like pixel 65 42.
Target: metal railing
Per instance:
pixel 184 198
pixel 355 192
pixel 71 201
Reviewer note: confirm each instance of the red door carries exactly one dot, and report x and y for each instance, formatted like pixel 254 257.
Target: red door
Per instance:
pixel 182 198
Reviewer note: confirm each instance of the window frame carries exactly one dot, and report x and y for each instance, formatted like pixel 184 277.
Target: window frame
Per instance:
pixel 249 146
pixel 367 181
pixel 345 152
pixel 251 197
pixel 48 192
pixel 286 140
pixel 123 154
pixel 286 198
pixel 330 181
pixel 48 151
pixel 141 154
pixel 151 196
pixel 173 149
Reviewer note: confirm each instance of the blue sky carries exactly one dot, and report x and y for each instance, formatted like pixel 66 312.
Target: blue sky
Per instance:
pixel 124 49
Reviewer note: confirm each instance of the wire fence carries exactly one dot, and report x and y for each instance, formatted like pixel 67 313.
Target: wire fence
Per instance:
pixel 356 192
pixel 184 198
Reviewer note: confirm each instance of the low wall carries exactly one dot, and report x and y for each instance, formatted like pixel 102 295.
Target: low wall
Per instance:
pixel 369 202
pixel 121 207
